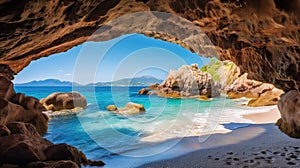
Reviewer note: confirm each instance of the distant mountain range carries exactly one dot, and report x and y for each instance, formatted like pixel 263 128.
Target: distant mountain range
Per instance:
pixel 138 81
pixel 48 82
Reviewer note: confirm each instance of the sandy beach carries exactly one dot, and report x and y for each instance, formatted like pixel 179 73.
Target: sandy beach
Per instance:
pixel 258 145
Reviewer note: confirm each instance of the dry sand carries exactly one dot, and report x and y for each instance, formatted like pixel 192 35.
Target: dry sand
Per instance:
pixel 258 145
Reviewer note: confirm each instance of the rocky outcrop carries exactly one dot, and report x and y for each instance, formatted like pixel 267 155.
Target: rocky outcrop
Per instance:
pixel 289 107
pixel 261 94
pixel 189 81
pixel 129 109
pixel 62 101
pixel 18 107
pixel 22 145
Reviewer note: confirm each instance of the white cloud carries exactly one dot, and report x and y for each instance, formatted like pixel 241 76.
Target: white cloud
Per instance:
pixel 60 70
pixel 68 74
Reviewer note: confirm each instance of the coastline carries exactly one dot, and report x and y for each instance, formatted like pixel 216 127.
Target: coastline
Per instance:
pixel 251 146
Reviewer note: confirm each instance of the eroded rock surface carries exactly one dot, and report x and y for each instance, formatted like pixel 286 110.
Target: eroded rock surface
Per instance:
pixel 18 107
pixel 289 107
pixel 189 81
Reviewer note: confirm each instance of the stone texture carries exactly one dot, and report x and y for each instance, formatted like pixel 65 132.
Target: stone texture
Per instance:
pixel 61 101
pixel 4 131
pixel 6 72
pixel 289 107
pixel 189 81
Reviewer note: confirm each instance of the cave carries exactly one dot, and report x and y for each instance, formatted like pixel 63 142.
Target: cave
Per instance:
pixel 261 38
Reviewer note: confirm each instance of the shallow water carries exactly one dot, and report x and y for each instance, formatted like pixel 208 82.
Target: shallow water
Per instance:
pixel 129 141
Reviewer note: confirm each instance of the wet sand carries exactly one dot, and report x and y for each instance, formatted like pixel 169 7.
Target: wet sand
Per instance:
pixel 258 145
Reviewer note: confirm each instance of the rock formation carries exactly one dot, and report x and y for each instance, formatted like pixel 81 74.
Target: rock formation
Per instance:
pixel 21 125
pixel 189 81
pixel 18 107
pixel 21 145
pixel 289 107
pixel 129 109
pixel 62 101
pixel 261 94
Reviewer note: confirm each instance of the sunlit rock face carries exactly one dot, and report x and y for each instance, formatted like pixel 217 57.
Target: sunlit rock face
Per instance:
pixel 261 37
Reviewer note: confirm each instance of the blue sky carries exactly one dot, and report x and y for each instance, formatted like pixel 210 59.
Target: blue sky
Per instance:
pixel 124 57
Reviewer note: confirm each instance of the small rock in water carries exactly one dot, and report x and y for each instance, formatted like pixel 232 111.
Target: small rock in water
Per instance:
pixel 130 109
pixel 111 108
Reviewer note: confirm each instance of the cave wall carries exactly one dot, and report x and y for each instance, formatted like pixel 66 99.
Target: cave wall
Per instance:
pixel 261 37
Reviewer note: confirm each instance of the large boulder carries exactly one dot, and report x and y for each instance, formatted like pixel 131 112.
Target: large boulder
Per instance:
pixel 189 81
pixel 62 101
pixel 289 107
pixel 261 94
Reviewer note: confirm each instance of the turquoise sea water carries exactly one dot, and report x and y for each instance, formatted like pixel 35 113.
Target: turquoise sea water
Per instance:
pixel 129 141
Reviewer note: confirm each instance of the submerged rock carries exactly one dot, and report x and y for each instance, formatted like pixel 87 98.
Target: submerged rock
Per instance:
pixel 289 107
pixel 130 109
pixel 62 101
